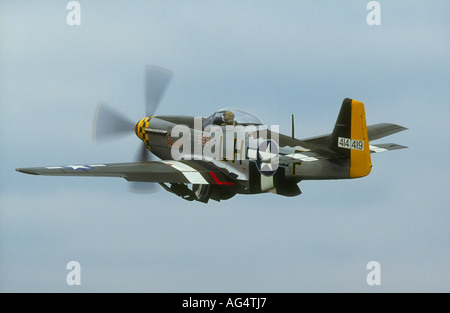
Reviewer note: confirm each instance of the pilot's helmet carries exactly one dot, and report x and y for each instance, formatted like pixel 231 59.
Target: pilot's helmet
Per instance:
pixel 228 117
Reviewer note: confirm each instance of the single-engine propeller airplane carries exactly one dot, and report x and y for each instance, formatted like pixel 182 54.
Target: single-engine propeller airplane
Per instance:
pixel 230 152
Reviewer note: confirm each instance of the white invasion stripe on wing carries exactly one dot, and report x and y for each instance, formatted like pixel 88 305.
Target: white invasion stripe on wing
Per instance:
pixel 377 149
pixel 267 183
pixel 190 173
pixel 301 157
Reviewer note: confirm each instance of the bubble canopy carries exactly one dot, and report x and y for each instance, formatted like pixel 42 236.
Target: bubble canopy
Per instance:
pixel 241 117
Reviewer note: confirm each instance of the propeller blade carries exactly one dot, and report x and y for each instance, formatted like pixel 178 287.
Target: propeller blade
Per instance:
pixel 142 187
pixel 143 155
pixel 156 81
pixel 108 123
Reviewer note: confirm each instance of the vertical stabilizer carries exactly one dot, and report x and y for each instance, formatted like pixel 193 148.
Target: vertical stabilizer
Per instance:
pixel 349 138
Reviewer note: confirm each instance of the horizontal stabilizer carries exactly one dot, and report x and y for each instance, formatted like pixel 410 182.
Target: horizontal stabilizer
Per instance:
pixel 385 147
pixel 374 132
pixel 381 130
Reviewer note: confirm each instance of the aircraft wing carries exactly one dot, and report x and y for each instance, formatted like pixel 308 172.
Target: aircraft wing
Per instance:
pixel 190 172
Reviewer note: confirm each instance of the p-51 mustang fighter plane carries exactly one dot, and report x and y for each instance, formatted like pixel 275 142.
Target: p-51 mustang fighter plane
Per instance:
pixel 230 152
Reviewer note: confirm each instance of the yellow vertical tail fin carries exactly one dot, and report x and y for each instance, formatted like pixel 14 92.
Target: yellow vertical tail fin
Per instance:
pixel 360 162
pixel 350 138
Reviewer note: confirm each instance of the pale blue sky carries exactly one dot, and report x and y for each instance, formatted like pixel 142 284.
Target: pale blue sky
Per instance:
pixel 273 59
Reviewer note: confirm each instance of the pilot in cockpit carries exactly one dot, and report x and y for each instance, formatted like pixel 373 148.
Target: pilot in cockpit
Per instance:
pixel 228 118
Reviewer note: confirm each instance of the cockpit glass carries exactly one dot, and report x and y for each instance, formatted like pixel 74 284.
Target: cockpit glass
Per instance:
pixel 240 117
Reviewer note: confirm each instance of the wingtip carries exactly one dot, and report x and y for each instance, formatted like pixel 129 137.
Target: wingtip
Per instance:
pixel 25 171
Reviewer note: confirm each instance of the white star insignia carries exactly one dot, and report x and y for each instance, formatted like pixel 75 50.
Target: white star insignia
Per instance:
pixel 267 158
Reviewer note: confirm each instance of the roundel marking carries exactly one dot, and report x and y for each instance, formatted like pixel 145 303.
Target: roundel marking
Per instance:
pixel 267 157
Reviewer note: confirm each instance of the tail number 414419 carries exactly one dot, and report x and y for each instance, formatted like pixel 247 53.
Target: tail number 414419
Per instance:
pixel 348 143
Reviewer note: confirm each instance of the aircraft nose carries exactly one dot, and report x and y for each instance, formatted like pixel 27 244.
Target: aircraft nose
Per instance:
pixel 140 127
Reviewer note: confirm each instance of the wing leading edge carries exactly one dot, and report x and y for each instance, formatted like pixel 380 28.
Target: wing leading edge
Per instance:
pixel 189 172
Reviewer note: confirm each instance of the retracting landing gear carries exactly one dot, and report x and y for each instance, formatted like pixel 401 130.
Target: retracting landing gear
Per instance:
pixel 181 190
pixel 202 192
pixel 199 192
